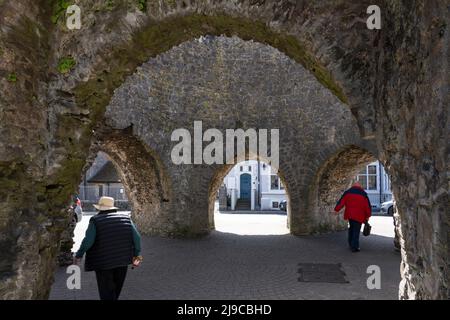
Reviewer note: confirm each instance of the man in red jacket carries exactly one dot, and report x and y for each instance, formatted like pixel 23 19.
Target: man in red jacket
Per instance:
pixel 357 211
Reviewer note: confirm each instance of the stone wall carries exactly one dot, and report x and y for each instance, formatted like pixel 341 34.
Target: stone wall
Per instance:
pixel 56 84
pixel 228 83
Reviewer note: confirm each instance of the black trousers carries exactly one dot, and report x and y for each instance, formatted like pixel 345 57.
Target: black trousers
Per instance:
pixel 110 282
pixel 353 234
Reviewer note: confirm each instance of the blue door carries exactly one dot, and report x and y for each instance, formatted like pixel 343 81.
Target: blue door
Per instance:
pixel 245 185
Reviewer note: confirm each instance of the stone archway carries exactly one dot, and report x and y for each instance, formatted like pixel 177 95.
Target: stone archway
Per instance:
pixel 202 80
pixel 220 172
pixel 331 180
pixel 146 184
pixel 386 77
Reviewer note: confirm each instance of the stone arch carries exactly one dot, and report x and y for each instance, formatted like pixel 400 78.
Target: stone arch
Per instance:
pixel 104 68
pixel 395 71
pixel 200 80
pixel 220 173
pixel 331 180
pixel 335 176
pixel 147 186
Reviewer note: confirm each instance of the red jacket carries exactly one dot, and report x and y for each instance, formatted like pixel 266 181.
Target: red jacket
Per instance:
pixel 357 204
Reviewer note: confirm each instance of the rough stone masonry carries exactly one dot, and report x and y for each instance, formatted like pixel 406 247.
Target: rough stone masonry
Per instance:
pixel 342 95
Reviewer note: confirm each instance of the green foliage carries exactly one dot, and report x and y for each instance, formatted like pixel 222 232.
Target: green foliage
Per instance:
pixel 142 5
pixel 66 64
pixel 110 4
pixel 12 77
pixel 60 8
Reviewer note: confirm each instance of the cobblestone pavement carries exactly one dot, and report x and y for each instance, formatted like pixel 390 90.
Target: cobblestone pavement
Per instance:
pixel 227 265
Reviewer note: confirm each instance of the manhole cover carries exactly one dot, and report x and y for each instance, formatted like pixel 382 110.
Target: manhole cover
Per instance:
pixel 321 272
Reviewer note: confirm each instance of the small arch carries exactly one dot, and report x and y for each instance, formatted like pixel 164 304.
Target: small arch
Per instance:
pixel 330 181
pixel 222 171
pixel 142 173
pixel 337 173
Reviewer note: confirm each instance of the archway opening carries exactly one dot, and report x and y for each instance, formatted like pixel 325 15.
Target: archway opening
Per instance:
pixel 251 200
pixel 351 164
pixel 381 248
pixel 376 182
pixel 103 178
pixel 121 167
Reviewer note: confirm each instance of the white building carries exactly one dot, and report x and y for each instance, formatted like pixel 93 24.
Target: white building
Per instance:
pixel 252 185
pixel 376 182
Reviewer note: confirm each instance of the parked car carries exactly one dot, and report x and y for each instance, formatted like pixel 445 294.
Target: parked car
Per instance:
pixel 283 205
pixel 387 207
pixel 77 210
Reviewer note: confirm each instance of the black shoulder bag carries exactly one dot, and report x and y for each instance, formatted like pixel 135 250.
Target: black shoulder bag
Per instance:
pixel 367 228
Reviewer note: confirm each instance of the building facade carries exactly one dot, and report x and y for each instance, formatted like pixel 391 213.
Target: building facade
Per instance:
pixel 376 182
pixel 253 185
pixel 102 179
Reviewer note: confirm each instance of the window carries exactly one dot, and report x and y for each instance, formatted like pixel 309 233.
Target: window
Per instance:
pixel 274 182
pixel 249 168
pixel 275 204
pixel 368 177
pixel 372 182
pixel 242 168
pixel 363 180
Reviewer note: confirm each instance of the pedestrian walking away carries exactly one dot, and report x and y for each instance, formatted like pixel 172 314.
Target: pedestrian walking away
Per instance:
pixel 111 244
pixel 357 211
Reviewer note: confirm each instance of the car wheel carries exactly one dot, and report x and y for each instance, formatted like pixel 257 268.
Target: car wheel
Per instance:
pixel 391 211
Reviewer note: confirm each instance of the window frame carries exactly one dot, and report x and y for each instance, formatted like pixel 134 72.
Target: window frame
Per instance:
pixel 365 173
pixel 280 185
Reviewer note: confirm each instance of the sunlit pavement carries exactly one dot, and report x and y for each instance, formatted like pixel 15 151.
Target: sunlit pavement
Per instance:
pixel 249 257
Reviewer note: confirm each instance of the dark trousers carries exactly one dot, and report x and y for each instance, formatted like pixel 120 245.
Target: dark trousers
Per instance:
pixel 110 282
pixel 353 234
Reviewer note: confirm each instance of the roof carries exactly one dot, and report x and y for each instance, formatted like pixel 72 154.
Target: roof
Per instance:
pixel 106 174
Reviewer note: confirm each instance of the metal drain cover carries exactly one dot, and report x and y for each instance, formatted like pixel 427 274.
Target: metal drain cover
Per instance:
pixel 322 272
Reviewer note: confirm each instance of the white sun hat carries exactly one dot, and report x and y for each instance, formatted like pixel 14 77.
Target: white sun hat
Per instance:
pixel 105 203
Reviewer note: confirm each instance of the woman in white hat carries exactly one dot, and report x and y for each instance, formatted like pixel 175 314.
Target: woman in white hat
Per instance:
pixel 111 243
